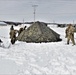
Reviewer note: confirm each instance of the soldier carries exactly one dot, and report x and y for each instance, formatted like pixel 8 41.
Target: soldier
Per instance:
pixel 70 34
pixel 13 36
pixel 20 30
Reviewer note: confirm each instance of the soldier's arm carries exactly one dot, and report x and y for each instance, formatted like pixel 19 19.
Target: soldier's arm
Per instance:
pixel 66 30
pixel 73 29
pixel 66 33
pixel 10 33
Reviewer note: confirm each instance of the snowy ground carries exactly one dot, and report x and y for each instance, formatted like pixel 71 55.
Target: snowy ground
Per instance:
pixel 55 58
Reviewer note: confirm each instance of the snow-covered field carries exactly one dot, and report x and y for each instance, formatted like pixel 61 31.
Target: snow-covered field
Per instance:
pixel 54 58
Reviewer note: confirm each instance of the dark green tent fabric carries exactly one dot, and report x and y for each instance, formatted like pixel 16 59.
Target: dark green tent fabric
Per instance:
pixel 39 32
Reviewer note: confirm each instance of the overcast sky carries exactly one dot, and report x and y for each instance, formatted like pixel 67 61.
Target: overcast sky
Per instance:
pixel 46 10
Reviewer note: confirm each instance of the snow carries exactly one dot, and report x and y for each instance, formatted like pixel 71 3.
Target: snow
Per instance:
pixel 23 58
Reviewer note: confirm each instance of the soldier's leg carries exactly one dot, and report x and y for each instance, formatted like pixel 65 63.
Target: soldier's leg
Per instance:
pixel 73 41
pixel 68 39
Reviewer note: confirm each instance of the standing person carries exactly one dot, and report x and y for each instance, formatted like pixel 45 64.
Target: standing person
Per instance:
pixel 70 34
pixel 13 35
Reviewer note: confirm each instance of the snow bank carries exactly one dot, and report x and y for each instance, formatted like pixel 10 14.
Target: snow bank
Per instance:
pixel 38 58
